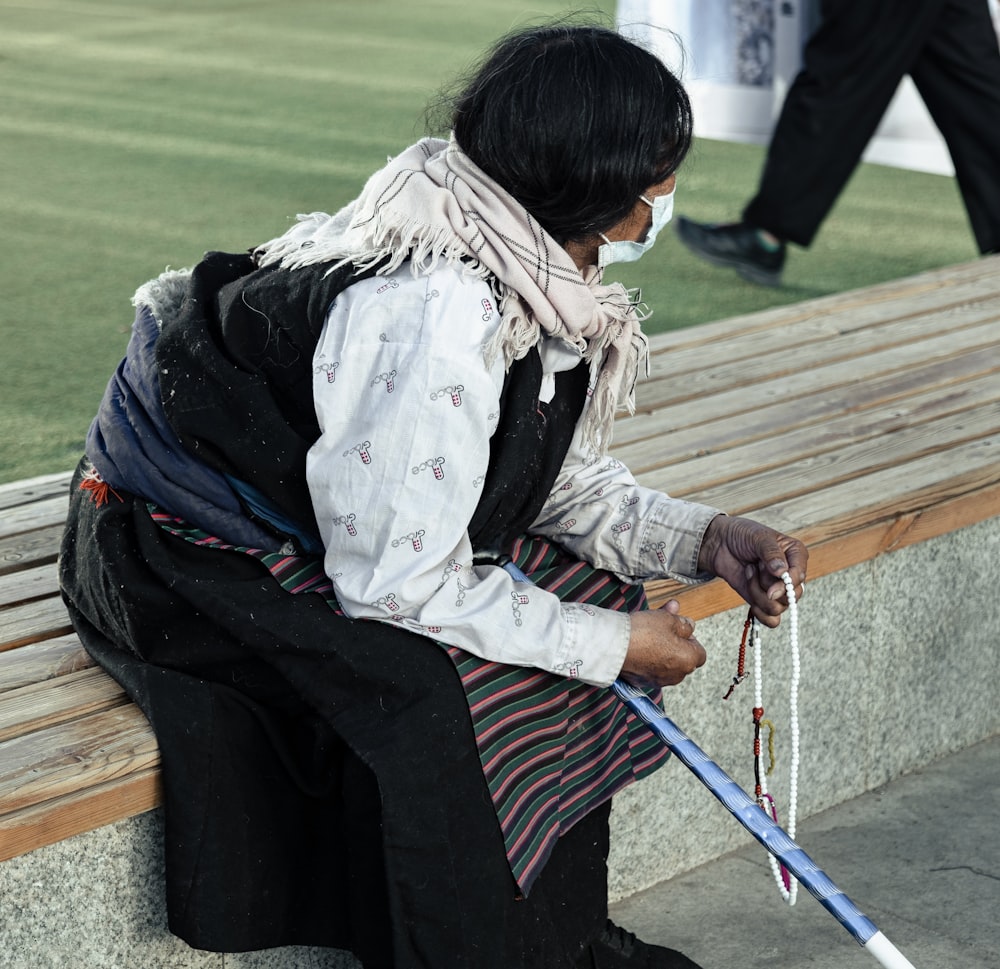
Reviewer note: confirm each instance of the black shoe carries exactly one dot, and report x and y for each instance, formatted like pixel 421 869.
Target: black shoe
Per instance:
pixel 737 245
pixel 616 948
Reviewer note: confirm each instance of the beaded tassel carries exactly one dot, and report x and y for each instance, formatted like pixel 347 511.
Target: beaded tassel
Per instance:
pixel 741 662
pixel 98 487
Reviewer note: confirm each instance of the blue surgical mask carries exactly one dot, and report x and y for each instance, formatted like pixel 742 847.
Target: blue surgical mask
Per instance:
pixel 625 250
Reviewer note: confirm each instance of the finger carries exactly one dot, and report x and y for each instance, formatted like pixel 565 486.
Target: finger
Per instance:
pixel 797 582
pixel 773 559
pixel 778 602
pixel 770 619
pixel 681 626
pixel 798 590
pixel 767 603
pixel 780 554
pixel 699 654
pixel 684 627
pixel 685 663
pixel 798 559
pixel 763 592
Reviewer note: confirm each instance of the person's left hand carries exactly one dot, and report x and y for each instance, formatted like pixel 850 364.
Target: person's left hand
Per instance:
pixel 752 558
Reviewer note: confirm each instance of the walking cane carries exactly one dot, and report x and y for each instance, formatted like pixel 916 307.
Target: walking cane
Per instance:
pixel 746 810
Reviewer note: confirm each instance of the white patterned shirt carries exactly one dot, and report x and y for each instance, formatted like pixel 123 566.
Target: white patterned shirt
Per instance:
pixel 406 407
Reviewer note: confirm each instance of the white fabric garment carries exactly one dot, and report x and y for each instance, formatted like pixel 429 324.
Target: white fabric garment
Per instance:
pixel 406 403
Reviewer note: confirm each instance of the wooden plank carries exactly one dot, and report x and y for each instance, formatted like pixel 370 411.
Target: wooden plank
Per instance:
pixel 30 548
pixel 37 514
pixel 816 320
pixel 30 490
pixel 856 459
pixel 851 501
pixel 935 288
pixel 42 661
pixel 800 370
pixel 62 760
pixel 867 327
pixel 732 456
pixel 841 552
pixel 33 583
pixel 78 812
pixel 831 338
pixel 34 621
pixel 765 417
pixel 860 477
pixel 842 509
pixel 810 461
pixel 38 706
pixel 741 403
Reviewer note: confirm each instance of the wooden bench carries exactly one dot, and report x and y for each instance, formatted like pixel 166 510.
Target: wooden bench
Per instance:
pixel 75 753
pixel 861 422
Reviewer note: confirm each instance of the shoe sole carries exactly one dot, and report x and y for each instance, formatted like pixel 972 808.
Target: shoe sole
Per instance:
pixel 753 274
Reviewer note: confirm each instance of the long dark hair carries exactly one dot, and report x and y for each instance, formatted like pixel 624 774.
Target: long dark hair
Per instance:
pixel 575 121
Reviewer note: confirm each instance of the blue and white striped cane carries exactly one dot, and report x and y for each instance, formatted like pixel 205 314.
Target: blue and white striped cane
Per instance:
pixel 746 810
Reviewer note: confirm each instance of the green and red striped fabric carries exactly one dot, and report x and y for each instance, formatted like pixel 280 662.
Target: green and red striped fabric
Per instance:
pixel 552 748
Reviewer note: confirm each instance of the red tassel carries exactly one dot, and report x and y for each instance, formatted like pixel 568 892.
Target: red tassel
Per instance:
pixel 98 488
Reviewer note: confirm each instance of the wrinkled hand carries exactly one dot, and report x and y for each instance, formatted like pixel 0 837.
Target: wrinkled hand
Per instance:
pixel 662 649
pixel 752 557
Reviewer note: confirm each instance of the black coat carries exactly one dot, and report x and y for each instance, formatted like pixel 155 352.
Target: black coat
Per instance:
pixel 321 778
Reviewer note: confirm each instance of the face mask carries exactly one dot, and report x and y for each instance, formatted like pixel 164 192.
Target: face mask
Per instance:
pixel 625 250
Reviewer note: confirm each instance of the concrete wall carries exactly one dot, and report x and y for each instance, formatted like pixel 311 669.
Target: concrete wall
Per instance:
pixel 96 901
pixel 899 667
pixel 899 660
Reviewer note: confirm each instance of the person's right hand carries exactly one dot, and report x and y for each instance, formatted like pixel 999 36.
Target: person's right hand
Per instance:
pixel 662 649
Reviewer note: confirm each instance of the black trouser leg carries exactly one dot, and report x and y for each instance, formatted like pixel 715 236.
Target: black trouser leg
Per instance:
pixel 958 77
pixel 853 64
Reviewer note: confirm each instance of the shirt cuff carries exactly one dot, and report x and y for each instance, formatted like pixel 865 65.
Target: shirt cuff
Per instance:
pixel 679 526
pixel 594 643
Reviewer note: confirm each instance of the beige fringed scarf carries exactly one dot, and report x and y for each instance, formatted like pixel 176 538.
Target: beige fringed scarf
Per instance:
pixel 432 202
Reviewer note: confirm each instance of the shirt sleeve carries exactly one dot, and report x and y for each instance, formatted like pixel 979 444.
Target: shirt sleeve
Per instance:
pixel 598 512
pixel 406 406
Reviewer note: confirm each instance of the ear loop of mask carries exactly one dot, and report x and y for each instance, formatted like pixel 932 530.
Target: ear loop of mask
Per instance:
pixel 627 250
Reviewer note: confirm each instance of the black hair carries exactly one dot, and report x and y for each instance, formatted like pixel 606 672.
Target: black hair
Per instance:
pixel 574 121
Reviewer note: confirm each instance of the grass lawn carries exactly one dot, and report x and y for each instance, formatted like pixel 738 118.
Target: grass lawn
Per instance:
pixel 138 134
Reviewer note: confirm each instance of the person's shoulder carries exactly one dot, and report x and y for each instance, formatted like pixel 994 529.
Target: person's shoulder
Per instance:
pixel 445 306
pixel 446 278
pixel 461 304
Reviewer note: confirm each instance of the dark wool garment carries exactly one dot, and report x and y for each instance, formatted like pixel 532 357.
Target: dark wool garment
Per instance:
pixel 321 775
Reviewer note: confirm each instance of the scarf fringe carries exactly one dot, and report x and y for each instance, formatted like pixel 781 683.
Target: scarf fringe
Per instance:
pixel 519 331
pixel 337 239
pixel 426 247
pixel 320 238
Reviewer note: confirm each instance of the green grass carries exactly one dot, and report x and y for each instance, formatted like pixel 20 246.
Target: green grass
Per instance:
pixel 137 134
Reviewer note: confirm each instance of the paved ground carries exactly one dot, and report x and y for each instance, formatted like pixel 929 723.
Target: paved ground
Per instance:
pixel 920 857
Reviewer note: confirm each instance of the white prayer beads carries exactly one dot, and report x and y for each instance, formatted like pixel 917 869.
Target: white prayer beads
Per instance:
pixel 789 890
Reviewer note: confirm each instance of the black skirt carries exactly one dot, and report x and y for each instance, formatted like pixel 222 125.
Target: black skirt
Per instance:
pixel 321 776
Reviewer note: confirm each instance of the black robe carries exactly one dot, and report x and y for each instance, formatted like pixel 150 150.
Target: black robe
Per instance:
pixel 321 777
